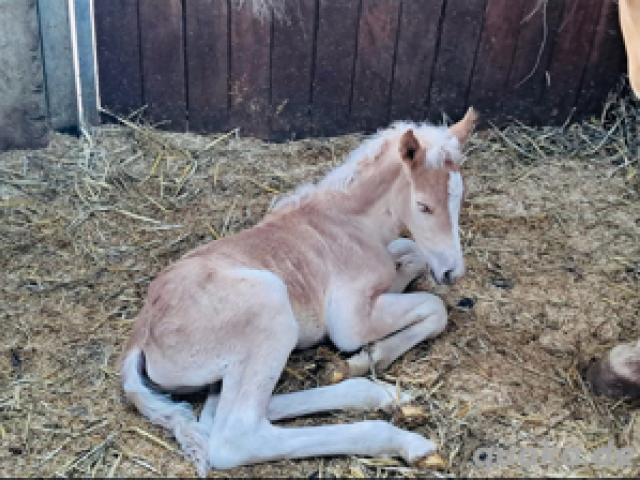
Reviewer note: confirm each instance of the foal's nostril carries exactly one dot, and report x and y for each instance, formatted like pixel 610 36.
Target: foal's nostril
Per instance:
pixel 447 277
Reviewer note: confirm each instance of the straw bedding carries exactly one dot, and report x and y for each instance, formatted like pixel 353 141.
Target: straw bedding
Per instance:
pixel 551 233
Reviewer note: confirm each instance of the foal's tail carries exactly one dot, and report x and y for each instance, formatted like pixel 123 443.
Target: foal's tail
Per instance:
pixel 155 405
pixel 158 407
pixel 178 417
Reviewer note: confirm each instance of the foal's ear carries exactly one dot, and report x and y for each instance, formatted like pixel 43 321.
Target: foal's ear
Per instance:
pixel 464 128
pixel 409 147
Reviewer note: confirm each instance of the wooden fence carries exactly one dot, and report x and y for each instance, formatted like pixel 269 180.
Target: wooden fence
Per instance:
pixel 333 66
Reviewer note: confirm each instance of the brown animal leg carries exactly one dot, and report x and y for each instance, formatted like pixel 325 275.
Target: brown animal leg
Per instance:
pixel 617 374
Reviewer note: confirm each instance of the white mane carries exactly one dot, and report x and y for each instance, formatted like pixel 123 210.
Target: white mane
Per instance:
pixel 439 141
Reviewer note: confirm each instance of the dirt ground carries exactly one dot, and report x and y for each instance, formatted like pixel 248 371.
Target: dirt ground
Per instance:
pixel 551 235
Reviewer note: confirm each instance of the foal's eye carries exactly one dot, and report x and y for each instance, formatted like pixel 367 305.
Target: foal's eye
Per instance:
pixel 424 208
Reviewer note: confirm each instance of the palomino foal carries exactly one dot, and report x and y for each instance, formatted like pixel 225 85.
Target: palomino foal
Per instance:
pixel 326 261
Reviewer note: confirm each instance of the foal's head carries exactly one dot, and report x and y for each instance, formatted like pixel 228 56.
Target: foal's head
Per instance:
pixel 436 196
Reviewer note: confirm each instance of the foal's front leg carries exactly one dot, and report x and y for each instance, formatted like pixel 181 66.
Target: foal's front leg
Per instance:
pixel 395 323
pixel 410 263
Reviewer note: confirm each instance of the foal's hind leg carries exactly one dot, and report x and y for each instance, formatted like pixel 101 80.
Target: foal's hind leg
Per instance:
pixel 241 432
pixel 351 394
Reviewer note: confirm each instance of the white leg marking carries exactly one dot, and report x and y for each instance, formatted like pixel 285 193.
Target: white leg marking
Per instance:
pixel 350 394
pixel 267 442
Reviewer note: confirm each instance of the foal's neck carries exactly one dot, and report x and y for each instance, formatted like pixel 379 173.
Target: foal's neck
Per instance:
pixel 377 197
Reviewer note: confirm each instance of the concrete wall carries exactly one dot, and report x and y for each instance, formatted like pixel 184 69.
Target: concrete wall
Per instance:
pixel 23 112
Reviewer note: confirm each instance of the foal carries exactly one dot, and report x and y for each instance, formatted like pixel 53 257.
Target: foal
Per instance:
pixel 327 261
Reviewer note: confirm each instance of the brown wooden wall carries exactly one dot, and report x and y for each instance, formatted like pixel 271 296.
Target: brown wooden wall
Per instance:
pixel 335 66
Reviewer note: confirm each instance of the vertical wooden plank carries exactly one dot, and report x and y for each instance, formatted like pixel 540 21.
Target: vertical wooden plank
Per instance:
pixel 461 27
pixel 335 56
pixel 118 51
pixel 250 70
pixel 570 55
pixel 527 78
pixel 163 64
pixel 606 61
pixel 207 41
pixel 291 69
pixel 495 54
pixel 23 120
pixel 58 64
pixel 415 55
pixel 372 81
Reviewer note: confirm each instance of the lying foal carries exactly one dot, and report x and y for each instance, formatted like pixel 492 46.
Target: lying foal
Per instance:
pixel 326 262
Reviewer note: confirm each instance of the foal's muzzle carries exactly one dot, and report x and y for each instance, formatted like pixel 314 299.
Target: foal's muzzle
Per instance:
pixel 446 266
pixel 446 276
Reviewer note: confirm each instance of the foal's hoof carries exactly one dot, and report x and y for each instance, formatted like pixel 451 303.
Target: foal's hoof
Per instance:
pixel 337 371
pixel 410 415
pixel 432 462
pixel 417 448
